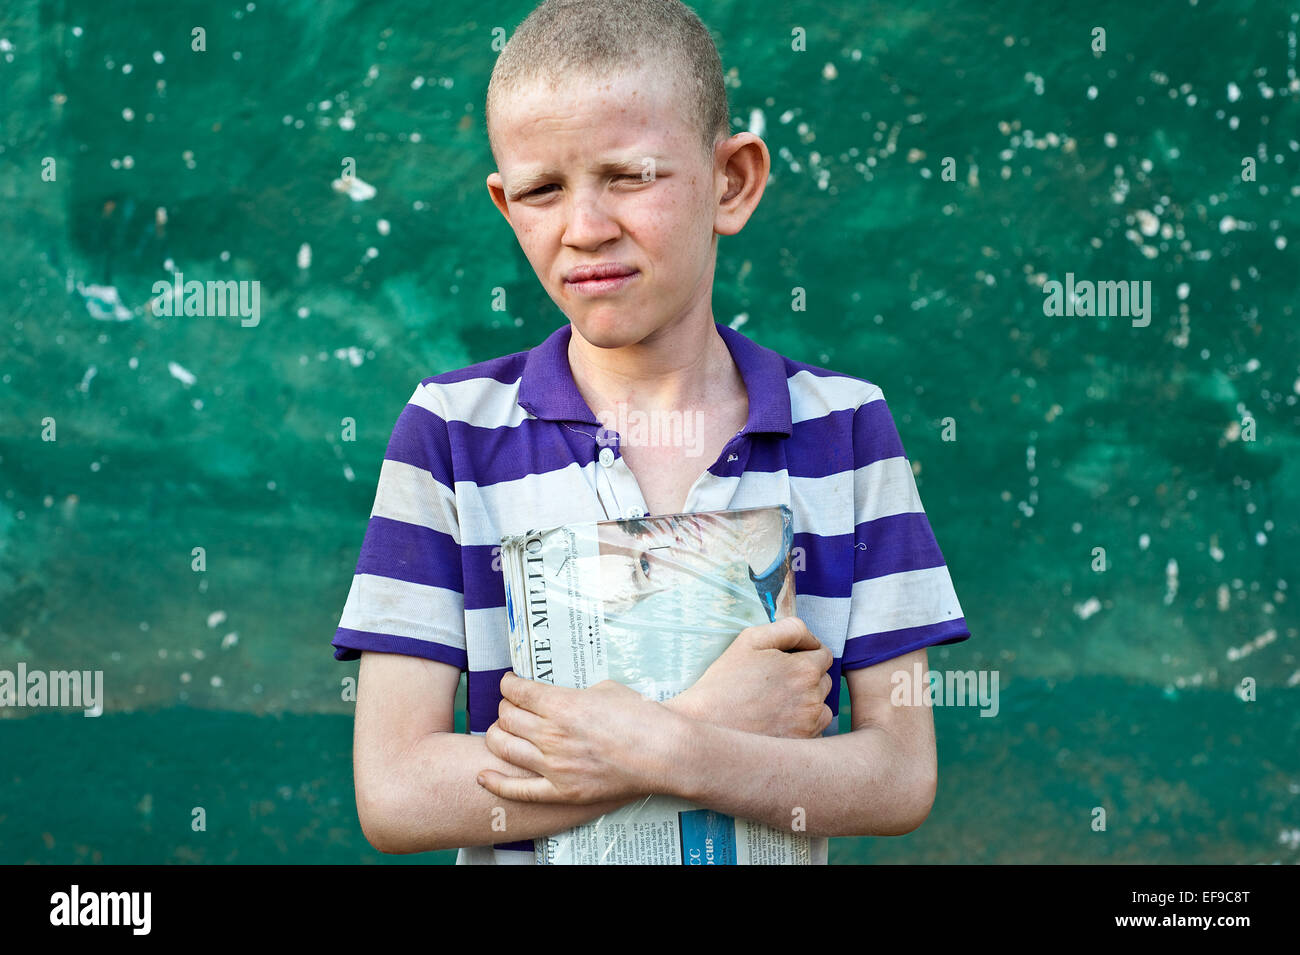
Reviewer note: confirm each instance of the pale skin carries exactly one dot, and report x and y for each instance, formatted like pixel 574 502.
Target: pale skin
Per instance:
pixel 744 740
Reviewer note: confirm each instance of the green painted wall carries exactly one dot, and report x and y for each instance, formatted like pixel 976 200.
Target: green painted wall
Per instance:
pixel 1119 688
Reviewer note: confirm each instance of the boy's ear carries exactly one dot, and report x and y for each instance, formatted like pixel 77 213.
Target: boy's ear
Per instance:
pixel 497 190
pixel 743 165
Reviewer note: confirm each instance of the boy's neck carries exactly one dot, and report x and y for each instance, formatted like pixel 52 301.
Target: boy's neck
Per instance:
pixel 686 366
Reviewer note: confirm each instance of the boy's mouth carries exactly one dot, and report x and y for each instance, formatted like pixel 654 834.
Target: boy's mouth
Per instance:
pixel 599 279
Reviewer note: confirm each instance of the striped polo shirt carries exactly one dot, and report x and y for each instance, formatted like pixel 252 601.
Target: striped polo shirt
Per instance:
pixel 510 445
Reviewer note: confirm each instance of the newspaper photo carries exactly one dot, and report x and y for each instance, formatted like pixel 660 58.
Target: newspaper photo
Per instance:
pixel 650 603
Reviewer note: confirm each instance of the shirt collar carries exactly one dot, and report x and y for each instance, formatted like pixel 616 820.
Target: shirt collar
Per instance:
pixel 547 388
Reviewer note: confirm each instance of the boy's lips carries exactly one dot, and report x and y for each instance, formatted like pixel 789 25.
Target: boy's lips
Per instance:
pixel 599 279
pixel 603 270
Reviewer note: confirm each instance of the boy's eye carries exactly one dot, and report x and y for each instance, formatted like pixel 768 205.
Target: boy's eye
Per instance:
pixel 635 177
pixel 645 565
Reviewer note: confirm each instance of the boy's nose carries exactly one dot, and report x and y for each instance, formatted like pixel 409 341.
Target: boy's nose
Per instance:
pixel 589 223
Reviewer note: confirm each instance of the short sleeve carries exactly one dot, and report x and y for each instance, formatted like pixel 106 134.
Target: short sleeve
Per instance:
pixel 903 597
pixel 408 593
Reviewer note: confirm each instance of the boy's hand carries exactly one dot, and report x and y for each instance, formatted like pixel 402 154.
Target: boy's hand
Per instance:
pixel 606 742
pixel 758 687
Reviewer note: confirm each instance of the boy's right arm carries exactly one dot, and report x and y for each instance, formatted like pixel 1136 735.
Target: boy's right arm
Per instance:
pixel 416 778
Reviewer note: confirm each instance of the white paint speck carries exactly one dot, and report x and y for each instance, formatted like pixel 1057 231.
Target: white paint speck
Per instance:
pixel 352 355
pixel 354 188
pixel 184 376
pixel 1087 608
pixel 103 303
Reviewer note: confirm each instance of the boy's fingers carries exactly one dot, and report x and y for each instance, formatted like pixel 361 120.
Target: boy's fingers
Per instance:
pixel 536 789
pixel 513 749
pixel 518 721
pixel 526 694
pixel 789 633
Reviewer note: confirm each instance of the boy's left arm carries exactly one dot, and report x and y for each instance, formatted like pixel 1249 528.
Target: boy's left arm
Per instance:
pixel 608 741
pixel 879 779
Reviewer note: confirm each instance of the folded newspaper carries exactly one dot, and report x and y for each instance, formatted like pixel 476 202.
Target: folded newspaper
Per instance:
pixel 650 603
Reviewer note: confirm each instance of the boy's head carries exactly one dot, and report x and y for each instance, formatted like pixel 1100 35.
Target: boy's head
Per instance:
pixel 608 121
pixel 596 39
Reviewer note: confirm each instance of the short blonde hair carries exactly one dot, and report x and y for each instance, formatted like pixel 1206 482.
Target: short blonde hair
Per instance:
pixel 590 39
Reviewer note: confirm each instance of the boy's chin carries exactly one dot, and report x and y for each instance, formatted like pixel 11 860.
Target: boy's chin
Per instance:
pixel 607 327
pixel 611 332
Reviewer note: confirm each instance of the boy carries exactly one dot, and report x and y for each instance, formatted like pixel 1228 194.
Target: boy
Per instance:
pixel 608 122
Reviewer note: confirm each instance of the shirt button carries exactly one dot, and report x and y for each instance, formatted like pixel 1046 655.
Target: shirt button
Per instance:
pixel 606 457
pixel 636 512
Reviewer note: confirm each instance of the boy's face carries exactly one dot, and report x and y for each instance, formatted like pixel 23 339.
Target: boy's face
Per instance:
pixel 612 172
